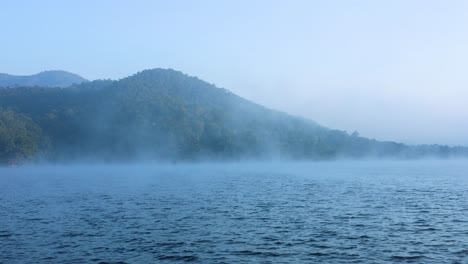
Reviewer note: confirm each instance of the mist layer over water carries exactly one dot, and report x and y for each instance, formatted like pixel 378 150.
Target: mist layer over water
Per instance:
pixel 330 212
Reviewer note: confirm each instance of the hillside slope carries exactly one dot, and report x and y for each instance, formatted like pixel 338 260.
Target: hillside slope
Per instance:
pixel 43 79
pixel 165 114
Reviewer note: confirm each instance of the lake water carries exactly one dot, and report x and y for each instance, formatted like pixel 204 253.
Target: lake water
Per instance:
pixel 324 212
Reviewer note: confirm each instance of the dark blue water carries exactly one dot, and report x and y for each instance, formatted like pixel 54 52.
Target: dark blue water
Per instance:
pixel 336 212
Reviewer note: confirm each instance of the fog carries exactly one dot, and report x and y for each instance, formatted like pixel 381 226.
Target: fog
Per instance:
pixel 391 70
pixel 221 169
pixel 339 134
pixel 287 212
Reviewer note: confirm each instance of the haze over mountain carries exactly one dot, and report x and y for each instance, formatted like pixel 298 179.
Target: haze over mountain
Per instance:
pixel 393 70
pixel 44 79
pixel 165 114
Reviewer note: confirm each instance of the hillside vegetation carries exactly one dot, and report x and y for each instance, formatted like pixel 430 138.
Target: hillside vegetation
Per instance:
pixel 42 79
pixel 165 114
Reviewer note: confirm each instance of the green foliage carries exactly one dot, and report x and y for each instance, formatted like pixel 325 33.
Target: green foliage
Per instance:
pixel 20 137
pixel 164 114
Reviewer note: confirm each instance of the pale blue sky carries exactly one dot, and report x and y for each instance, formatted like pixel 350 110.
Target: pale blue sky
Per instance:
pixel 393 70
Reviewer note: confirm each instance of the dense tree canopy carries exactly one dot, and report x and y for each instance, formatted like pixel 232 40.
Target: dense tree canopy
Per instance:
pixel 164 114
pixel 20 137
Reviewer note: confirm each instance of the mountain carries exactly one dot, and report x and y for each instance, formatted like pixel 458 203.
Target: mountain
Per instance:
pixel 43 79
pixel 165 114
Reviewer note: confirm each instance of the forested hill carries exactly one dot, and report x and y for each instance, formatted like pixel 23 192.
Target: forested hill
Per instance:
pixel 43 79
pixel 165 114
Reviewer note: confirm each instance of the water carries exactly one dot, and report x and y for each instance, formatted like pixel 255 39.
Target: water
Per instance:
pixel 330 212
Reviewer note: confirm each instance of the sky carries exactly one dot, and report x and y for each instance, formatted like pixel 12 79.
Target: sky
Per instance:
pixel 390 69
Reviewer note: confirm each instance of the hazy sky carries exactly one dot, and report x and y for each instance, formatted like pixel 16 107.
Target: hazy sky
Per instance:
pixel 392 70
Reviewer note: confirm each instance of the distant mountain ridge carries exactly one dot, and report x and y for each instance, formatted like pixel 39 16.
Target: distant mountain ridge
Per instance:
pixel 55 78
pixel 163 114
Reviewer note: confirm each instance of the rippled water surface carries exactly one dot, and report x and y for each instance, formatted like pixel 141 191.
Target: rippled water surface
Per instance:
pixel 331 212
